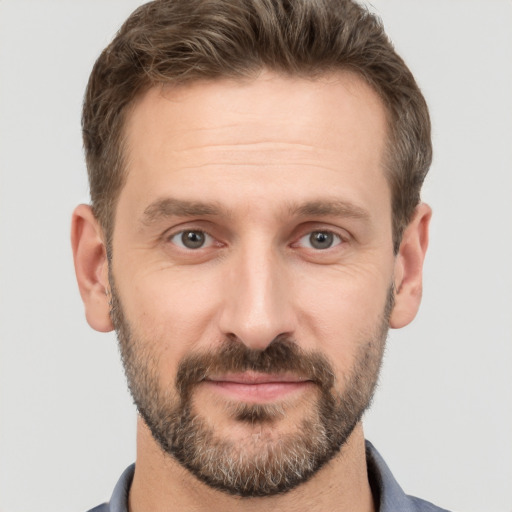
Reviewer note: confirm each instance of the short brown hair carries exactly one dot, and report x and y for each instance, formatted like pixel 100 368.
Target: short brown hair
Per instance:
pixel 179 41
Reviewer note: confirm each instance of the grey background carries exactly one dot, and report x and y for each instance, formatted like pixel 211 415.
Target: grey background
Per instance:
pixel 442 417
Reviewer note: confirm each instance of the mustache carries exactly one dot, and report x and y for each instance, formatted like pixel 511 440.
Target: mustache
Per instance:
pixel 280 356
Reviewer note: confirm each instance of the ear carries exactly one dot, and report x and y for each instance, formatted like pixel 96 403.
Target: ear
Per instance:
pixel 409 268
pixel 91 267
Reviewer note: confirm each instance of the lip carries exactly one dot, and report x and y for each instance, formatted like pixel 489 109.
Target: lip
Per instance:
pixel 254 387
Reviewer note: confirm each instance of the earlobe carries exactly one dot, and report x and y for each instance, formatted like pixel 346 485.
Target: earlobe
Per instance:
pixel 91 267
pixel 408 273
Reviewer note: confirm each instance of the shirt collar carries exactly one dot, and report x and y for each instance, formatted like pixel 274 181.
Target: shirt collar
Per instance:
pixel 119 499
pixel 388 495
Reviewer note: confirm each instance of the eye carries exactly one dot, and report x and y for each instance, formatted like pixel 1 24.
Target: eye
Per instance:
pixel 191 239
pixel 320 240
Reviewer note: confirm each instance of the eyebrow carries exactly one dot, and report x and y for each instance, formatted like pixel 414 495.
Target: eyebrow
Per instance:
pixel 335 208
pixel 171 207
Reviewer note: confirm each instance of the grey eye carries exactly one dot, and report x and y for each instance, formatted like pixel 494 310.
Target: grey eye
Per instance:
pixel 320 240
pixel 191 239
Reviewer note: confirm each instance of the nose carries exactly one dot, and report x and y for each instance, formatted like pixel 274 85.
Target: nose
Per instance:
pixel 258 299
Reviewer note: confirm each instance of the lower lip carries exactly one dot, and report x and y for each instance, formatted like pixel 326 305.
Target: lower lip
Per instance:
pixel 262 392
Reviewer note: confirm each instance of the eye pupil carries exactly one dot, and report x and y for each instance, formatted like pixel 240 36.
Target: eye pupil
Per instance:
pixel 193 239
pixel 321 239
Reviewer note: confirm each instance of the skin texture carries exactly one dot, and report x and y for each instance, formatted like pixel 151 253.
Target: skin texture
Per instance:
pixel 274 159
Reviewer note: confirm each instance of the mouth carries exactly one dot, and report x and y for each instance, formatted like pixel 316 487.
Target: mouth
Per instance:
pixel 254 387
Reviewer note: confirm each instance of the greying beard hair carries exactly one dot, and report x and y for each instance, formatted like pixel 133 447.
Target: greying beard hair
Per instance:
pixel 267 464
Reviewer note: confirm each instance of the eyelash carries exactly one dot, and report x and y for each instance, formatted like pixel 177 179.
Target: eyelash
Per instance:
pixel 209 240
pixel 328 232
pixel 183 232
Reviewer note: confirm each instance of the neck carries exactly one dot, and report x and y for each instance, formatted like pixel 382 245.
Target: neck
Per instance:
pixel 161 484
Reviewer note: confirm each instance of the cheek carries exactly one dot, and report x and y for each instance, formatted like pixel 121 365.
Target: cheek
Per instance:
pixel 343 311
pixel 170 315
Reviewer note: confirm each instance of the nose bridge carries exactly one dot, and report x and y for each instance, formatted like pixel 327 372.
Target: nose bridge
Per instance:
pixel 257 305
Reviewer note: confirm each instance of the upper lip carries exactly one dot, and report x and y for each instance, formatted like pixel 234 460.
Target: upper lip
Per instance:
pixel 250 377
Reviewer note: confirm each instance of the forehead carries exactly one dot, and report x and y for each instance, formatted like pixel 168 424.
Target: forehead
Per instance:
pixel 292 108
pixel 274 130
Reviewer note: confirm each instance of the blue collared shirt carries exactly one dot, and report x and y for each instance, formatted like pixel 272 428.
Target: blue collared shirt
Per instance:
pixel 386 491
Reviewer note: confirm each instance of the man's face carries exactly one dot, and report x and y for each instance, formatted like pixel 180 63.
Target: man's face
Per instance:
pixel 251 272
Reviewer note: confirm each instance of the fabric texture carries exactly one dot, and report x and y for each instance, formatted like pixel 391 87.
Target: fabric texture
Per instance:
pixel 388 495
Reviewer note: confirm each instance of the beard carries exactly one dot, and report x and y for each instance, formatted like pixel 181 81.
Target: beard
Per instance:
pixel 261 465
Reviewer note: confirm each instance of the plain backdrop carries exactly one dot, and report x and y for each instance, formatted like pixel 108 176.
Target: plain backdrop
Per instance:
pixel 442 416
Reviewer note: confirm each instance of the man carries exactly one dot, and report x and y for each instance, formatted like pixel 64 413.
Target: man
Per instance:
pixel 256 227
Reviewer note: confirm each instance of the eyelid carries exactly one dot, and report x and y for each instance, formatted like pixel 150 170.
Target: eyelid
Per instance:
pixel 313 227
pixel 198 225
pixel 336 243
pixel 211 240
pixel 172 234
